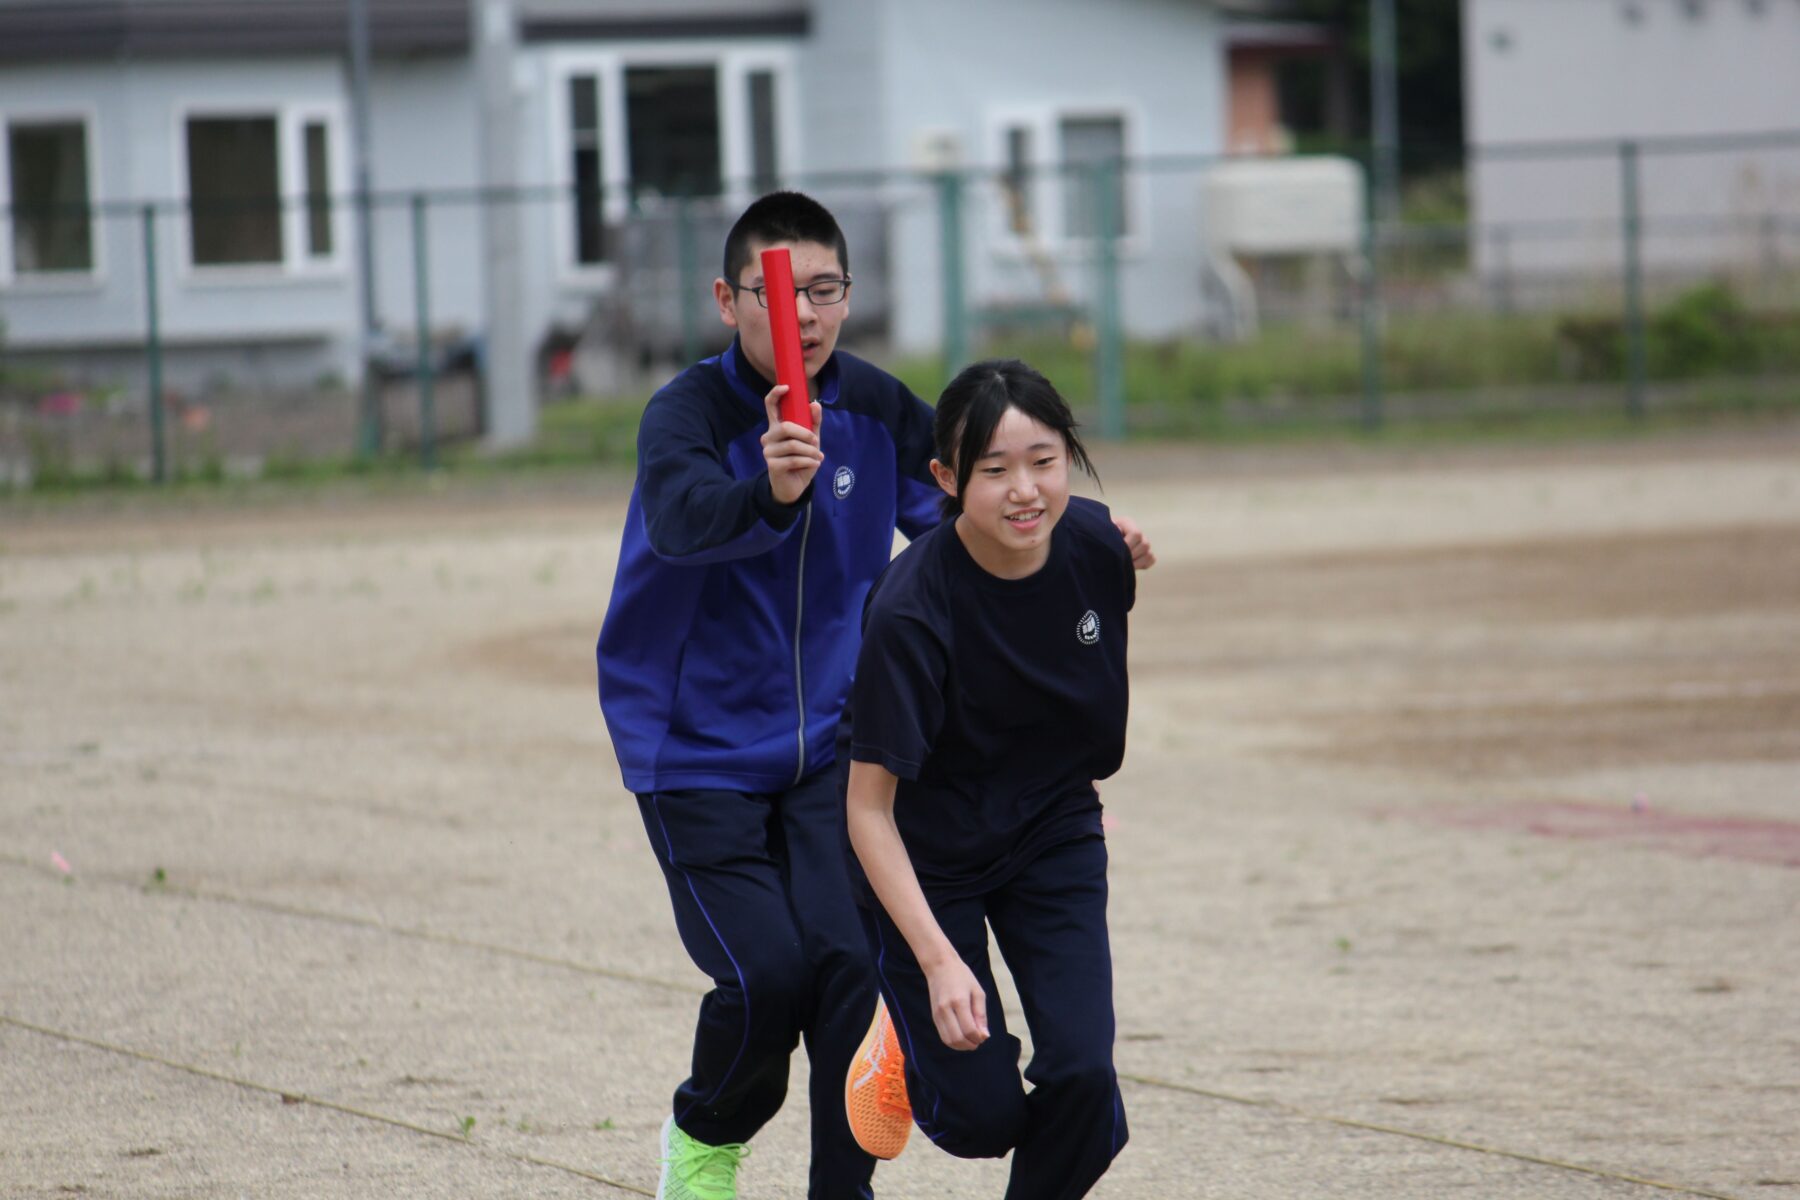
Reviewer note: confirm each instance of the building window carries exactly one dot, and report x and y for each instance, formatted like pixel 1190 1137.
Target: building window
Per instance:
pixel 234 190
pixel 1015 182
pixel 1088 141
pixel 318 190
pixel 1045 166
pixel 633 130
pixel 586 170
pixel 765 171
pixel 52 229
pixel 260 189
pixel 672 115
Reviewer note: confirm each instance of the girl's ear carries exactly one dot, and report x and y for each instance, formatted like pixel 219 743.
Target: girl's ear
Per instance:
pixel 946 478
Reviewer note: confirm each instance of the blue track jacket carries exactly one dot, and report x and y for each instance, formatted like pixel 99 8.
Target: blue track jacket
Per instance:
pixel 727 651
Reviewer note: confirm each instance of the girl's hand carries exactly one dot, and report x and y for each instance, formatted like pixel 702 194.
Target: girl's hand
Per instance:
pixel 791 451
pixel 958 1005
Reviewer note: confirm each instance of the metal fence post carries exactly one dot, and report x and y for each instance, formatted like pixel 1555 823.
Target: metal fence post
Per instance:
pixel 687 265
pixel 1372 321
pixel 369 414
pixel 159 459
pixel 956 333
pixel 1503 261
pixel 1635 350
pixel 1108 352
pixel 1384 108
pixel 422 371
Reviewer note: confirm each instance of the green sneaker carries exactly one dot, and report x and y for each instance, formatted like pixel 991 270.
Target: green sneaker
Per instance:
pixel 693 1170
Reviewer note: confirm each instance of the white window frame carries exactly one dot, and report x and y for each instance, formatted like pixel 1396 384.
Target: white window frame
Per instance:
pixel 734 116
pixel 732 64
pixel 1000 124
pixel 1049 185
pixel 337 167
pixel 291 119
pixel 735 109
pixel 608 83
pixel 53 281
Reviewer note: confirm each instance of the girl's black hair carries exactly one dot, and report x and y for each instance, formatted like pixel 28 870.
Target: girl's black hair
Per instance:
pixel 973 404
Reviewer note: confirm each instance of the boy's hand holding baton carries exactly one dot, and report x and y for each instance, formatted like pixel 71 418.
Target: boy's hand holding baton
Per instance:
pixel 791 447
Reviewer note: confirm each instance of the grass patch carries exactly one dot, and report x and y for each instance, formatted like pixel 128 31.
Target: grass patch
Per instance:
pixel 584 430
pixel 1464 376
pixel 1445 377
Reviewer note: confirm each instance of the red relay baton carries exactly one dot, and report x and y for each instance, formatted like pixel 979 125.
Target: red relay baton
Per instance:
pixel 784 330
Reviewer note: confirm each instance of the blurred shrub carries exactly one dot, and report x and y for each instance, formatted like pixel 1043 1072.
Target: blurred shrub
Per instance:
pixel 1702 332
pixel 1706 330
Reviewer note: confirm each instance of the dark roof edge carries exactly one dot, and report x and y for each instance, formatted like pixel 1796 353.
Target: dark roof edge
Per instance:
pixel 602 29
pixel 50 33
pixel 1280 35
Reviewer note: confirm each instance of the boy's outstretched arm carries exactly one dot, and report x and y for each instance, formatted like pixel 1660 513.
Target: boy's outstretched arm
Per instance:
pixel 958 1005
pixel 695 510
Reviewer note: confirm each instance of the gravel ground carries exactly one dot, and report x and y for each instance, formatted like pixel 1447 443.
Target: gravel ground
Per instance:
pixel 1454 850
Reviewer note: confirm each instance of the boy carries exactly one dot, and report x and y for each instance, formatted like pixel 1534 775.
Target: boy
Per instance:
pixel 724 661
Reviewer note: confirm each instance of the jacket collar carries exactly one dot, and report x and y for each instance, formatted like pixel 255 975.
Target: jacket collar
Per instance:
pixel 749 384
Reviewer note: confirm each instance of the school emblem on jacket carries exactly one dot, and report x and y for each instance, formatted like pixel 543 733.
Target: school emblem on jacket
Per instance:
pixel 842 482
pixel 1088 628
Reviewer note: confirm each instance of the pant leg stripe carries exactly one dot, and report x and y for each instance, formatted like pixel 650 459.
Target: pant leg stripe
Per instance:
pixel 669 847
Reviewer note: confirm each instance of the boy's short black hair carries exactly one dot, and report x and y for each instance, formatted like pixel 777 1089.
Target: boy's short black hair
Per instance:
pixel 782 217
pixel 971 408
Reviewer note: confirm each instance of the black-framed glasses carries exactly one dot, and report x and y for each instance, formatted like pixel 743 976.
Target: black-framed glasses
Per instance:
pixel 820 291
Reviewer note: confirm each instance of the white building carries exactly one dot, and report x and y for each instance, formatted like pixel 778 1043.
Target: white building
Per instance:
pixel 194 107
pixel 606 104
pixel 1684 76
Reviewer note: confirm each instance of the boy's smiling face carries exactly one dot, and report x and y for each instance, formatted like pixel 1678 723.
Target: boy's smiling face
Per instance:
pixel 819 324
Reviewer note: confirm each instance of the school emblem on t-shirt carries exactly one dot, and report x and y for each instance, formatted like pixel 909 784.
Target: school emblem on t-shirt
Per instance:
pixel 1088 628
pixel 842 482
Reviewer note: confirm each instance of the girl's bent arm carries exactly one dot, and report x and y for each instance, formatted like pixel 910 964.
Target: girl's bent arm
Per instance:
pixel 958 1005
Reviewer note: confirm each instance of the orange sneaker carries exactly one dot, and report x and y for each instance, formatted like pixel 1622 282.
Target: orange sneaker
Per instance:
pixel 875 1090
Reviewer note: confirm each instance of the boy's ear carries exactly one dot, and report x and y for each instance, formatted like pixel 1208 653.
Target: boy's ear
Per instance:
pixel 946 478
pixel 727 302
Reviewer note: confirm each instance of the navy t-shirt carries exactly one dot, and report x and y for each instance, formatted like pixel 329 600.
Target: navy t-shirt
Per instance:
pixel 997 702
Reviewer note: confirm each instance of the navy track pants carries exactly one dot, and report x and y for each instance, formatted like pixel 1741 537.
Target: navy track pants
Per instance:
pixel 763 903
pixel 1049 922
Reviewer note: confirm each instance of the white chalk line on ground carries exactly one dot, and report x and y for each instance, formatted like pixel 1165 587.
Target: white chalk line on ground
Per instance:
pixel 336 918
pixel 1276 1106
pixel 292 1097
pixel 444 939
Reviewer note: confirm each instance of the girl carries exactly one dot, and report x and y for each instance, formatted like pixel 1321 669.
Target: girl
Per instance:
pixel 990 694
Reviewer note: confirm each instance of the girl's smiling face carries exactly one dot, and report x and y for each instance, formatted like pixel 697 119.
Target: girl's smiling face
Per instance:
pixel 1017 491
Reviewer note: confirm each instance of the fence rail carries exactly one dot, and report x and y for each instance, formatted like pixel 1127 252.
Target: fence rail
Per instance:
pixel 1660 271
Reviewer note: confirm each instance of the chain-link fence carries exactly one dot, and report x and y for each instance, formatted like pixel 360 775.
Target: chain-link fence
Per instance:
pixel 219 336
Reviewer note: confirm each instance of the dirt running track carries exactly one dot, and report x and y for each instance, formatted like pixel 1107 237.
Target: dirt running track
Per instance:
pixel 1457 849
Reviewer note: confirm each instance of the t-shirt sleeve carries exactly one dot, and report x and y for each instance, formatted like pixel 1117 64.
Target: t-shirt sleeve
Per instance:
pixel 1130 573
pixel 1117 554
pixel 897 701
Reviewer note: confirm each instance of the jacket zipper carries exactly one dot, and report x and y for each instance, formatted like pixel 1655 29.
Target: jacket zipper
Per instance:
pixel 799 613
